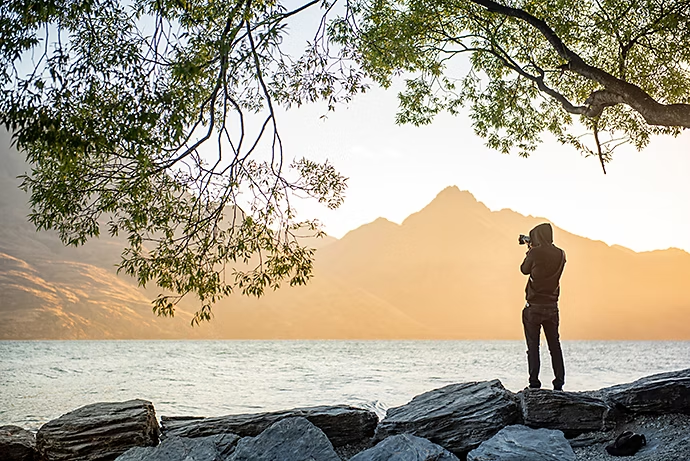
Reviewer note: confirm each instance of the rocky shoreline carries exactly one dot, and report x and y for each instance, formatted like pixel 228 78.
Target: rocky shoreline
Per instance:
pixel 475 421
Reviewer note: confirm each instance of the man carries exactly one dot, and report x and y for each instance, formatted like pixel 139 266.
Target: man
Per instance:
pixel 544 264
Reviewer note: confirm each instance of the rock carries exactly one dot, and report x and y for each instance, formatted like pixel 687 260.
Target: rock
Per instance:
pixel 405 447
pixel 291 439
pixel 350 450
pixel 16 444
pixel 458 417
pixel 521 443
pixel 588 439
pixel 101 431
pixel 668 439
pixel 657 394
pixel 342 424
pixel 211 448
pixel 571 412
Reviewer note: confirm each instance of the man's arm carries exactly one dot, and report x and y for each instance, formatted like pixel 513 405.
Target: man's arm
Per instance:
pixel 526 266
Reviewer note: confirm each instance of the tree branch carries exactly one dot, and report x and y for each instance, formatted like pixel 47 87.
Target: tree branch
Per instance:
pixel 615 89
pixel 538 80
pixel 595 129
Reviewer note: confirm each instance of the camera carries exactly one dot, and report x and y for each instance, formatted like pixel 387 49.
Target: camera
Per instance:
pixel 522 239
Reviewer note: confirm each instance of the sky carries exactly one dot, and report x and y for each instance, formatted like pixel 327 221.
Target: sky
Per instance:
pixel 643 202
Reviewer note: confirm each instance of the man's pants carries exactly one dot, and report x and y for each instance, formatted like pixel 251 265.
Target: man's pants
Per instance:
pixel 534 316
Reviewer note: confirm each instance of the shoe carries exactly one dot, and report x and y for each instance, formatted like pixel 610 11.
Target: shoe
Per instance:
pixel 558 389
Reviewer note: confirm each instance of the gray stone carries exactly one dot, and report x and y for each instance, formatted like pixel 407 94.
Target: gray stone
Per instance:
pixel 291 439
pixel 406 447
pixel 342 424
pixel 16 444
pixel 657 394
pixel 458 417
pixel 521 443
pixel 571 412
pixel 349 451
pixel 211 448
pixel 590 438
pixel 100 431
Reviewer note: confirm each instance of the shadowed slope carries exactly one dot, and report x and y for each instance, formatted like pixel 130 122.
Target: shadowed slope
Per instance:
pixel 50 291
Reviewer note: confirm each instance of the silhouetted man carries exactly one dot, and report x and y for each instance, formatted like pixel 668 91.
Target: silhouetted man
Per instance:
pixel 544 264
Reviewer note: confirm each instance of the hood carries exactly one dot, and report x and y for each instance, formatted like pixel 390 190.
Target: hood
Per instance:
pixel 542 234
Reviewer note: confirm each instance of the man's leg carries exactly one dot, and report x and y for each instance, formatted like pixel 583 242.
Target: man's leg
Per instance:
pixel 532 331
pixel 552 339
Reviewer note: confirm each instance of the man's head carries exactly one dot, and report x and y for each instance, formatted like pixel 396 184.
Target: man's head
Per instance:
pixel 541 235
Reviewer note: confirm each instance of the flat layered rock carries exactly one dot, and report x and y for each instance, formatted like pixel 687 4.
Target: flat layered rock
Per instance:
pixel 291 439
pixel 101 431
pixel 458 417
pixel 571 412
pixel 405 447
pixel 16 444
pixel 211 448
pixel 521 443
pixel 342 424
pixel 657 394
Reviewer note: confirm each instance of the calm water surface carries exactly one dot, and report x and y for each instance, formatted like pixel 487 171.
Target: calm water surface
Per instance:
pixel 40 380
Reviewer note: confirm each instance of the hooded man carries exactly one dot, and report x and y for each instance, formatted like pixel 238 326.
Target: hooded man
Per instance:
pixel 544 264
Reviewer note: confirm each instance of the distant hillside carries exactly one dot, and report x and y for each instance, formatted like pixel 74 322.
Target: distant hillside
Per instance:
pixel 448 271
pixel 49 291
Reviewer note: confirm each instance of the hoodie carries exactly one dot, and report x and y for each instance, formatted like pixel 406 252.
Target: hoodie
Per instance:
pixel 544 264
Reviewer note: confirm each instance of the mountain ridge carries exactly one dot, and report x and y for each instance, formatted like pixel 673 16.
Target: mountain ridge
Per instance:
pixel 448 271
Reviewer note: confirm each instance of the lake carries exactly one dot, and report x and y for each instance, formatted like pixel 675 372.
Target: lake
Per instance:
pixel 41 380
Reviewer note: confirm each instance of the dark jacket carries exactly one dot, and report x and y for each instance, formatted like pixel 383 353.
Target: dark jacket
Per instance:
pixel 544 264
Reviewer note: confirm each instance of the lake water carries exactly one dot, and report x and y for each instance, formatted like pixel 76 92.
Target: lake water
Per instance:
pixel 40 380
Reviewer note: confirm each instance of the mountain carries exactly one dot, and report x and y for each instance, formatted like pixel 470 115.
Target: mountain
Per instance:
pixel 453 267
pixel 49 291
pixel 448 271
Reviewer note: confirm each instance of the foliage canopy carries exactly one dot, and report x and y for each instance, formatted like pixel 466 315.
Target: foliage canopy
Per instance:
pixel 621 67
pixel 156 118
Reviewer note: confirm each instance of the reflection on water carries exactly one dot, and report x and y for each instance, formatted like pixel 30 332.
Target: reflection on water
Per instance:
pixel 41 380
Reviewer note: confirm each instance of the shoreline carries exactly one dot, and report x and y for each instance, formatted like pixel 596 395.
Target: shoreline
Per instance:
pixel 658 404
pixel 212 378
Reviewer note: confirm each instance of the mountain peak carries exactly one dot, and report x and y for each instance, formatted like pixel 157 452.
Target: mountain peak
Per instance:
pixel 381 221
pixel 374 229
pixel 454 191
pixel 452 195
pixel 451 203
pixel 452 198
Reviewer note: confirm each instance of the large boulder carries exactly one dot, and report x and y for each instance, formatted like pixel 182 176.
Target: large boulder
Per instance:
pixel 458 417
pixel 405 447
pixel 100 431
pixel 571 412
pixel 291 439
pixel 211 448
pixel 521 443
pixel 657 394
pixel 342 424
pixel 16 444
